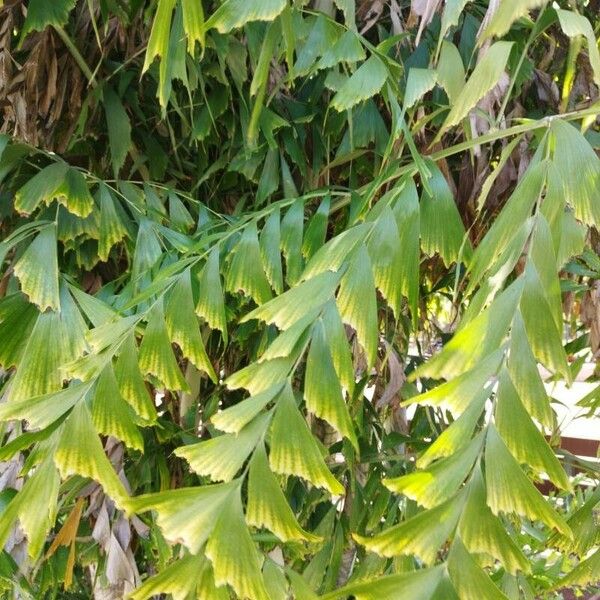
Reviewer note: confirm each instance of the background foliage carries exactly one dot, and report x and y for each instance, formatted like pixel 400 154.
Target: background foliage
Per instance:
pixel 239 239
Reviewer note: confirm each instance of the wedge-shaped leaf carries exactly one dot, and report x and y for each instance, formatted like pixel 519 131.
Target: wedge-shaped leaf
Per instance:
pixel 338 346
pixel 292 228
pixel 336 251
pixel 147 249
pixel 506 14
pixel 485 76
pixel 17 318
pixel 357 302
pixel 575 25
pixel 290 341
pixel 246 272
pixel 236 13
pixel 478 338
pixel 364 83
pixel 322 37
pixel 294 450
pixel 418 83
pixel 579 168
pixel 258 377
pixel 79 452
pixel 156 354
pixel 469 579
pixel 522 437
pixel 267 505
pixel 193 23
pixel 222 457
pixel 543 335
pixel 316 231
pixel 235 418
pixel 74 194
pixel 37 270
pixel 510 491
pixel 211 305
pixel 422 535
pixel 232 552
pixel 322 390
pixel 179 216
pixel 118 127
pixel 347 49
pixel 585 573
pixel 525 375
pixel 439 482
pixel 41 411
pixel 131 383
pixel 186 515
pixel 40 14
pixel 158 44
pixel 442 230
pixel 483 533
pixel 450 68
pixel 460 392
pixel 111 415
pixel 190 575
pixel 40 188
pixel 35 507
pixel 416 585
pixel 289 307
pixel 183 326
pixel 270 241
pixel 458 433
pixel 112 229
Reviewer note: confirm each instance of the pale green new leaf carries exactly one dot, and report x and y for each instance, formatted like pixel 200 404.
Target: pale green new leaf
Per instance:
pixel 365 82
pixel 222 457
pixel 79 452
pixel 510 491
pixel 294 450
pixel 211 305
pixel 506 14
pixel 37 270
pixel 322 390
pixel 236 13
pixel 268 506
pixel 450 70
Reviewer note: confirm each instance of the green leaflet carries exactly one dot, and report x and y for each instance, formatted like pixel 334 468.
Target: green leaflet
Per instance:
pixel 246 272
pixel 510 491
pixel 347 49
pixel 233 554
pixel 458 433
pixel 236 13
pixel 180 218
pixel 42 411
pixel 485 76
pixel 450 69
pixel 292 228
pixel 442 230
pixel 156 354
pixel 421 535
pixel 270 241
pixel 575 25
pixel 469 579
pixel 438 483
pixel 37 270
pixel 289 307
pixel 186 515
pixel 292 340
pixel 357 303
pixel 111 415
pixel 183 326
pixel 258 377
pixel 365 82
pixel 17 318
pixel 483 533
pixel 222 457
pixel 40 14
pixel 294 450
pixel 112 229
pixel 193 23
pixel 451 15
pixel 460 392
pixel 506 14
pixel 131 382
pixel 522 437
pixel 119 128
pixel 79 452
pixel 418 83
pixel 236 417
pixel 416 585
pixel 147 250
pixel 210 305
pixel 322 390
pixel 73 193
pixel 158 44
pixel 322 37
pixel 316 231
pixel 267 505
pixel 478 338
pixel 585 573
pixel 35 507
